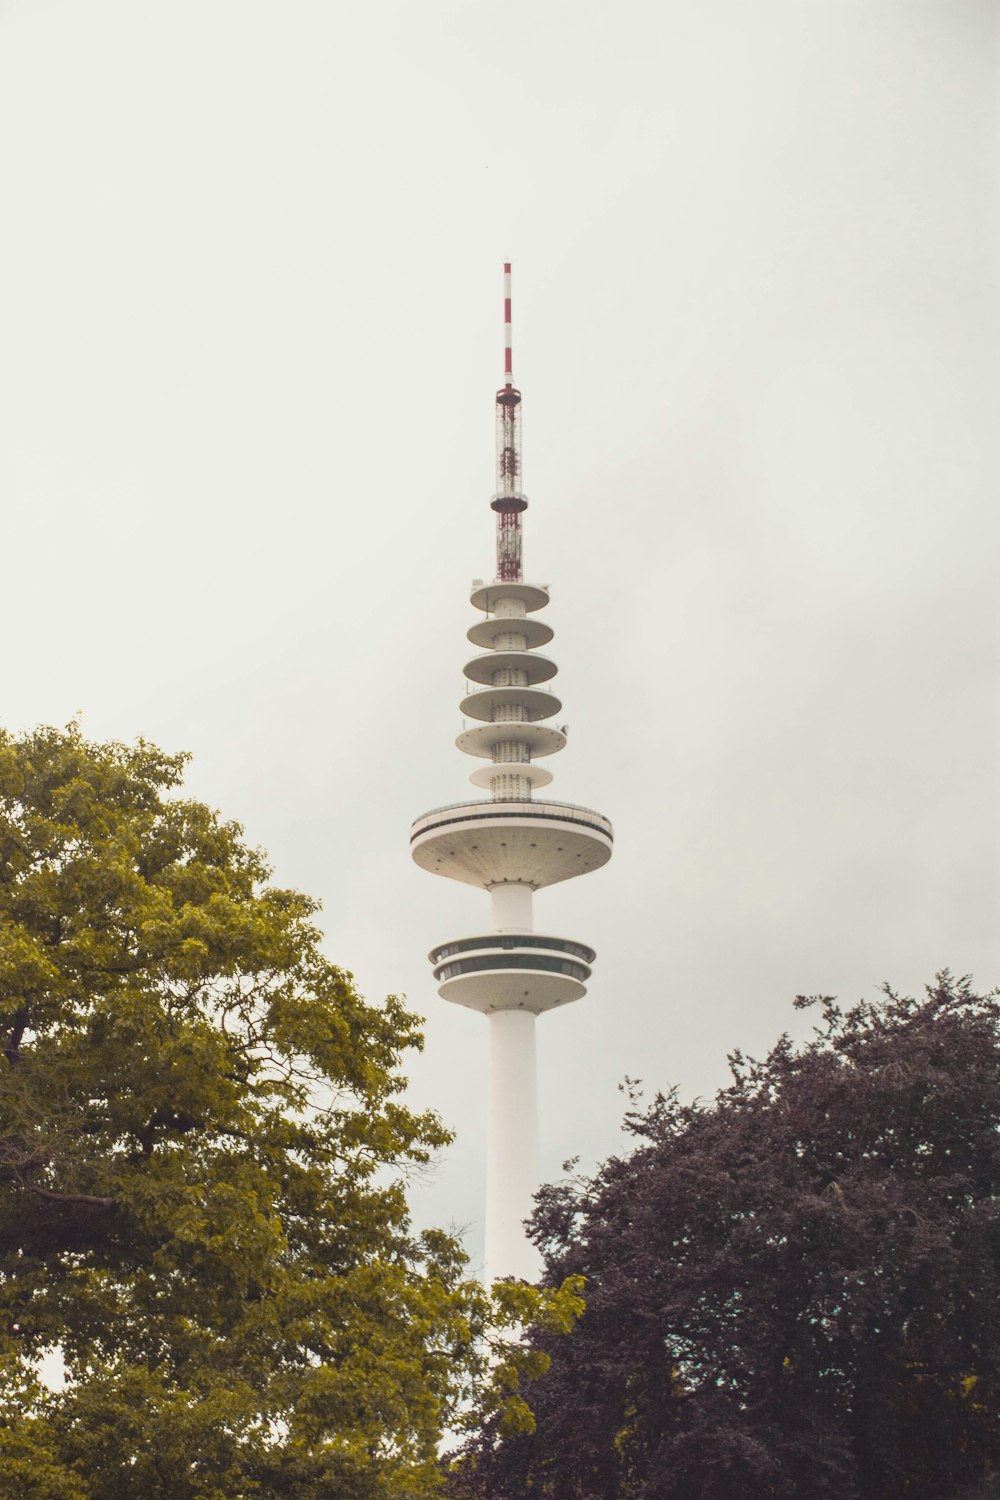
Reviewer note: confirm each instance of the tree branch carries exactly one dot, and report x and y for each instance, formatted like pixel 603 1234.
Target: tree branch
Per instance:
pixel 87 1199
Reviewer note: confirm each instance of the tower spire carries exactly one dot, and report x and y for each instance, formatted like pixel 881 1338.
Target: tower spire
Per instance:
pixel 508 502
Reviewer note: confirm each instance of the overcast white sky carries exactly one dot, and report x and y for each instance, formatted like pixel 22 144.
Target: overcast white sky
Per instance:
pixel 250 334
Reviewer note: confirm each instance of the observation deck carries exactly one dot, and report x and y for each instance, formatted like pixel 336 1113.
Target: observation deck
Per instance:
pixel 532 843
pixel 512 971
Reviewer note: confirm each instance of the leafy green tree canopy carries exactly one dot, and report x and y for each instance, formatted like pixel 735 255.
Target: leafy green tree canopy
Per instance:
pixel 202 1168
pixel 792 1291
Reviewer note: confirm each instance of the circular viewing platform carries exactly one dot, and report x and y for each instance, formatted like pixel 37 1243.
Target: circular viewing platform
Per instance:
pixel 541 739
pixel 535 668
pixel 512 971
pixel 532 595
pixel 533 703
pixel 531 843
pixel 487 632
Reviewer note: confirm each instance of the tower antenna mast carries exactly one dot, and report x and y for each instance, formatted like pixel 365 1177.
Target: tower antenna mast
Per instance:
pixel 509 502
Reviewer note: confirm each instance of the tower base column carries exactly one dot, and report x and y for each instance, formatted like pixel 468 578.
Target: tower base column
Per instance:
pixel 512 1145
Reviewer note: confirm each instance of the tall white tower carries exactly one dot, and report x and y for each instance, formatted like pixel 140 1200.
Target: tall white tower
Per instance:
pixel 511 846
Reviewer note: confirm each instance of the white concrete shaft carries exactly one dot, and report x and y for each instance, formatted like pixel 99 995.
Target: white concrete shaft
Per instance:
pixel 510 907
pixel 510 788
pixel 511 752
pixel 512 1146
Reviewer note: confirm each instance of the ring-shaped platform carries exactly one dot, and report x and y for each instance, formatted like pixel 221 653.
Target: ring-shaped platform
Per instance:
pixel 531 595
pixel 535 668
pixel 505 988
pixel 535 703
pixel 540 739
pixel 498 843
pixel 485 632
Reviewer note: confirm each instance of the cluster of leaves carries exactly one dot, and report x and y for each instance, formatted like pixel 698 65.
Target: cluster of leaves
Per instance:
pixel 203 1158
pixel 792 1291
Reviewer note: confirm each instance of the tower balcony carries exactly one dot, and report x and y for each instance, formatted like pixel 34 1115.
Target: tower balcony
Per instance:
pixel 496 705
pixel 535 668
pixel 529 843
pixel 512 971
pixel 537 739
pixel 495 628
pixel 487 596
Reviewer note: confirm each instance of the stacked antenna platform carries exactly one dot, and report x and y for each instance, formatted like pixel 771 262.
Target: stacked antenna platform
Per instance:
pixel 511 845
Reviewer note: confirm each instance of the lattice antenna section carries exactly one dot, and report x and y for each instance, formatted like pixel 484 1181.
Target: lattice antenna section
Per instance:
pixel 509 502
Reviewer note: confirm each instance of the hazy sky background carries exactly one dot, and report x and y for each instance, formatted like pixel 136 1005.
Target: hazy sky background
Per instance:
pixel 249 338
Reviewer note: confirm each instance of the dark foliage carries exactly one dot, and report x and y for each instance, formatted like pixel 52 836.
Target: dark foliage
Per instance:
pixel 792 1291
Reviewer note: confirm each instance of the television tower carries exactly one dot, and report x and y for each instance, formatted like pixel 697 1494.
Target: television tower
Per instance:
pixel 511 846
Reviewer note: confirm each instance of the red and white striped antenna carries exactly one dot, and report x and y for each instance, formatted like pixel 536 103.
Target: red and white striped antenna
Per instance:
pixel 509 502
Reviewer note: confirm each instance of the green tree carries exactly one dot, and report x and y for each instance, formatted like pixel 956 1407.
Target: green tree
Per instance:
pixel 793 1290
pixel 203 1157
